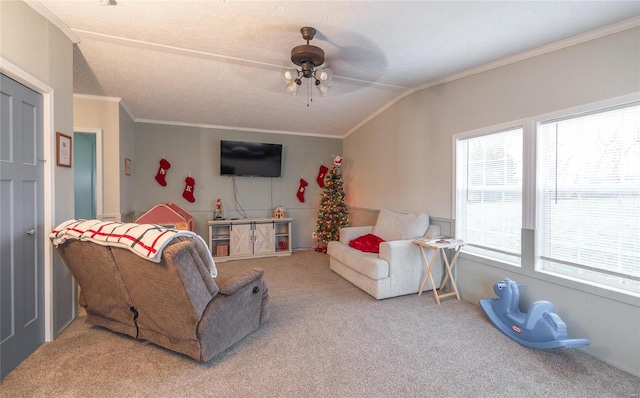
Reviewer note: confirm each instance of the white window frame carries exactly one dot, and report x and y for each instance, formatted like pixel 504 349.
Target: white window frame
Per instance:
pixel 530 254
pixel 514 260
pixel 540 261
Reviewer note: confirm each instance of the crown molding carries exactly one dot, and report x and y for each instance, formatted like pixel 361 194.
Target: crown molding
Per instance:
pixel 97 98
pixel 49 16
pixel 559 45
pixel 119 100
pixel 196 125
pixel 234 128
pixel 124 106
pixel 555 46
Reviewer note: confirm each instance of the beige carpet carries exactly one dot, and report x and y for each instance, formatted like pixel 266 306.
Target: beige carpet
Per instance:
pixel 326 338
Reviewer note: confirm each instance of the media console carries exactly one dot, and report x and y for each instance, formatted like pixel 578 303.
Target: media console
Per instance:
pixel 249 238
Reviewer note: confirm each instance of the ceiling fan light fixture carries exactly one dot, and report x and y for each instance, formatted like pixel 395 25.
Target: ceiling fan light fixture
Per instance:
pixel 324 75
pixel 323 88
pixel 289 75
pixel 293 86
pixel 308 57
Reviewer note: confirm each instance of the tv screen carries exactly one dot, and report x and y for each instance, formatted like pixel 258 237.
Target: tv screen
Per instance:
pixel 254 159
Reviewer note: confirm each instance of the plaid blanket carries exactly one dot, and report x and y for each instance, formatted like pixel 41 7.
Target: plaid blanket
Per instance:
pixel 145 240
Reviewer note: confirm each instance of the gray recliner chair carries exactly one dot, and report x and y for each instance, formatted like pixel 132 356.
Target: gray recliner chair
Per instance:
pixel 174 303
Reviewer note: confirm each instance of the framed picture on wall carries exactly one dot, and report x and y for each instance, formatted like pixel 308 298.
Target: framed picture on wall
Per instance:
pixel 63 150
pixel 127 166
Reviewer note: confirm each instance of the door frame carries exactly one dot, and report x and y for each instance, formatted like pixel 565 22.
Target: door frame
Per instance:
pixel 21 76
pixel 99 176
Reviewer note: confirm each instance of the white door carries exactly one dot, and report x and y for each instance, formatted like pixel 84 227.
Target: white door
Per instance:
pixel 264 238
pixel 21 223
pixel 241 240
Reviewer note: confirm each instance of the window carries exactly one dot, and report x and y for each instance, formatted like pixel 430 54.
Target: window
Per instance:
pixel 588 197
pixel 489 194
pixel 571 180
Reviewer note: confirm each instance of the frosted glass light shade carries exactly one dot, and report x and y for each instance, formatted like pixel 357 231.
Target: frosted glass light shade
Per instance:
pixel 289 75
pixel 324 75
pixel 292 88
pixel 323 89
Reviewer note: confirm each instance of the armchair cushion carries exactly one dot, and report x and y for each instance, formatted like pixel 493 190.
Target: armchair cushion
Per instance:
pixel 367 243
pixel 368 264
pixel 398 226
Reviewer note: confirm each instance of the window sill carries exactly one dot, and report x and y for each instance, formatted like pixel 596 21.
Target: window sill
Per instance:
pixel 560 280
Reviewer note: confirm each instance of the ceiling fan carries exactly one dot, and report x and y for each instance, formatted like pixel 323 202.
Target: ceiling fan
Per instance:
pixel 308 57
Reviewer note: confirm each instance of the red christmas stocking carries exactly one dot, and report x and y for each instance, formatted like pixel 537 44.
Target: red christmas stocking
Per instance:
pixel 162 171
pixel 188 189
pixel 321 174
pixel 300 193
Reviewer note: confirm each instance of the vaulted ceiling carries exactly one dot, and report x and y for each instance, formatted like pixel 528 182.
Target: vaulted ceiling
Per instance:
pixel 218 63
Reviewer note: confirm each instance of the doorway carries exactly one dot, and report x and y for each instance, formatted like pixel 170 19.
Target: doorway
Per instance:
pixel 84 175
pixel 87 172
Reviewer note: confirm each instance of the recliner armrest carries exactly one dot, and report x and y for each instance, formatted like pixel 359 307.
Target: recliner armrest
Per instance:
pixel 235 283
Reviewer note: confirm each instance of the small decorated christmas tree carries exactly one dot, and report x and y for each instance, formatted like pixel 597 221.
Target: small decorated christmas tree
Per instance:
pixel 332 214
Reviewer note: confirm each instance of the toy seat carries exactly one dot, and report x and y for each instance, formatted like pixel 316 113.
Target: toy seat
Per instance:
pixel 541 327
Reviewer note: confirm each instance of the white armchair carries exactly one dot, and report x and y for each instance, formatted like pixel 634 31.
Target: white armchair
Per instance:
pixel 398 268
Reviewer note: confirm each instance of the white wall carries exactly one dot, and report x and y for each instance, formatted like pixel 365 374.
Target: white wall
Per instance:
pixel 196 151
pixel 402 160
pixel 43 56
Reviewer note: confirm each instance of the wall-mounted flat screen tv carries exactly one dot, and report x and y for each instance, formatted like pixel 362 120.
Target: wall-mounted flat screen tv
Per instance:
pixel 255 159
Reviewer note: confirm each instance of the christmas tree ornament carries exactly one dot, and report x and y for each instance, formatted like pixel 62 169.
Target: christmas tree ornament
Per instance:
pixel 337 160
pixel 332 214
pixel 300 193
pixel 321 174
pixel 162 172
pixel 188 189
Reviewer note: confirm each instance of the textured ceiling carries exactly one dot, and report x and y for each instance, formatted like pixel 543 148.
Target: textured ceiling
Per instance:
pixel 218 63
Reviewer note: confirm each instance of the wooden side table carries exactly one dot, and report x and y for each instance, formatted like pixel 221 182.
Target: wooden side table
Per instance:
pixel 439 246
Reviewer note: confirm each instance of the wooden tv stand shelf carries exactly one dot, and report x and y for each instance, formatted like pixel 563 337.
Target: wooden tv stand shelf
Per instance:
pixel 249 238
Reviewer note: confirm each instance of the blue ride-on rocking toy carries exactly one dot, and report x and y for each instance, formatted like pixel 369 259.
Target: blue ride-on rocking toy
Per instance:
pixel 541 327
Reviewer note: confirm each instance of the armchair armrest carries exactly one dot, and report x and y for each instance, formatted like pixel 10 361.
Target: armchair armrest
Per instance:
pixel 235 283
pixel 347 234
pixel 401 252
pixel 406 266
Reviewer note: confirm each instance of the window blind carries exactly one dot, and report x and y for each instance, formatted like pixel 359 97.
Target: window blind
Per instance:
pixel 588 196
pixel 489 193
